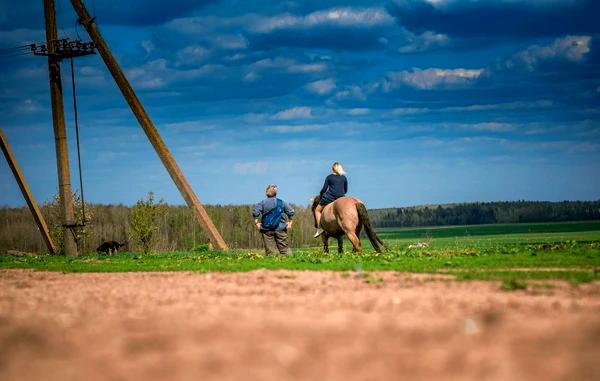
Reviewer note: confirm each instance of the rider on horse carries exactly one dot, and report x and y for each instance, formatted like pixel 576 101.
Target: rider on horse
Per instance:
pixel 336 186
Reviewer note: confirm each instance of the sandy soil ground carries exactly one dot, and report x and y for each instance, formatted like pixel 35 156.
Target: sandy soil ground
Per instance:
pixel 286 325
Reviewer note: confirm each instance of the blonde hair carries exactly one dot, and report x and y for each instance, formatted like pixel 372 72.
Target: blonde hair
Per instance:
pixel 338 169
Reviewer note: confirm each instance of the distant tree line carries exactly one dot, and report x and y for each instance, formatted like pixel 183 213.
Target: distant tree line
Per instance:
pixel 177 226
pixel 179 230
pixel 486 213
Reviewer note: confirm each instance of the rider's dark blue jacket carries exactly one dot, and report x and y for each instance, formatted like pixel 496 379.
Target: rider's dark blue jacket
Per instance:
pixel 335 187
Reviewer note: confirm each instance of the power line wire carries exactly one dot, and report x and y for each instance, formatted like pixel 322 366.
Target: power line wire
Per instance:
pixel 15 55
pixel 15 48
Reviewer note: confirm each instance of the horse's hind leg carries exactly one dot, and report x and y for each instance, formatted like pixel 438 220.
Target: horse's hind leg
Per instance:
pixel 355 241
pixel 340 245
pixel 325 243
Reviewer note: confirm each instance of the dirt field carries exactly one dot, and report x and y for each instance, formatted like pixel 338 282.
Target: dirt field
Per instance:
pixel 286 325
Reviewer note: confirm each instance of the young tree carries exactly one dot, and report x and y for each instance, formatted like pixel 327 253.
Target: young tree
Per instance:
pixel 52 211
pixel 145 217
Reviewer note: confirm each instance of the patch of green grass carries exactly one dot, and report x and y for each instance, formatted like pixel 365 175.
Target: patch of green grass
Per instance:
pixel 574 276
pixel 516 257
pixel 487 230
pixel 576 263
pixel 513 284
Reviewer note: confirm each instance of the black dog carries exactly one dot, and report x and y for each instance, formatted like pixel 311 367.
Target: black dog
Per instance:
pixel 109 247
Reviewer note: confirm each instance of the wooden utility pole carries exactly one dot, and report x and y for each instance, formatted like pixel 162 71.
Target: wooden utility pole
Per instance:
pixel 35 211
pixel 151 132
pixel 60 132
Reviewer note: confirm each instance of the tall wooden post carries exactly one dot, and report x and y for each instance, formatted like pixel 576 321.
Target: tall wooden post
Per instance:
pixel 33 207
pixel 60 133
pixel 151 132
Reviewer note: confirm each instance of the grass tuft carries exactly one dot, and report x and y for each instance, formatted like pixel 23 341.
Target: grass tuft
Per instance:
pixel 513 285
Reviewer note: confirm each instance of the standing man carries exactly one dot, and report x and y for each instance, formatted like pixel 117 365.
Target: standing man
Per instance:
pixel 273 226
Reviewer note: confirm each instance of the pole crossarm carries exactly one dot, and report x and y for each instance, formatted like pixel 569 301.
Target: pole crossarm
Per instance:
pixel 33 207
pixel 151 132
pixel 64 48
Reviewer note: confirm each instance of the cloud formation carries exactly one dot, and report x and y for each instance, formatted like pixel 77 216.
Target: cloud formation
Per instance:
pixel 345 17
pixel 569 48
pixel 423 42
pixel 427 79
pixel 498 17
pixel 294 113
pixel 250 168
pixel 235 86
pixel 322 87
pixel 144 12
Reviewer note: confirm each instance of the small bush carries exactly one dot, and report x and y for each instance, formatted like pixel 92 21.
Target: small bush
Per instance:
pixel 202 248
pixel 145 217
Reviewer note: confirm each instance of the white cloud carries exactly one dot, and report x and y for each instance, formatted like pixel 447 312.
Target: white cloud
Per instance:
pixel 251 76
pixel 518 105
pixel 190 126
pixel 289 65
pixel 351 92
pixel 192 54
pixel 306 68
pixel 157 74
pixel 283 64
pixel 149 75
pixel 148 46
pixel 21 36
pixel 145 76
pixel 359 111
pixel 30 106
pixel 231 42
pixel 213 30
pixel 286 129
pixel 570 48
pixel 27 73
pixel 426 79
pixel 410 110
pixel 445 3
pixel 251 167
pixel 489 126
pixel 501 106
pixel 437 2
pixel 322 87
pixel 294 113
pixel 90 71
pixel 340 17
pixel 425 41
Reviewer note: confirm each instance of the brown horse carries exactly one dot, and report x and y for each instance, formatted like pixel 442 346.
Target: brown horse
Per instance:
pixel 346 215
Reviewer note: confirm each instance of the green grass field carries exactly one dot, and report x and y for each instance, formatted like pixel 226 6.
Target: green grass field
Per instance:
pixel 514 253
pixel 586 231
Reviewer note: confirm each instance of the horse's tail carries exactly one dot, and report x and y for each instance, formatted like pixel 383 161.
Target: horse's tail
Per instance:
pixel 363 216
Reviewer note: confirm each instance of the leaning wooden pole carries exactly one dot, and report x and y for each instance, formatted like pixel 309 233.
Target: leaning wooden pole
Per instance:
pixel 60 132
pixel 35 210
pixel 151 132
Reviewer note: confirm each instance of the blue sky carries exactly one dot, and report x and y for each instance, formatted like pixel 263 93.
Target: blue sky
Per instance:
pixel 423 102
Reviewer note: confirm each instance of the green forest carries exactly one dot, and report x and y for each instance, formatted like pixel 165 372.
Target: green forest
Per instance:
pixel 508 212
pixel 177 228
